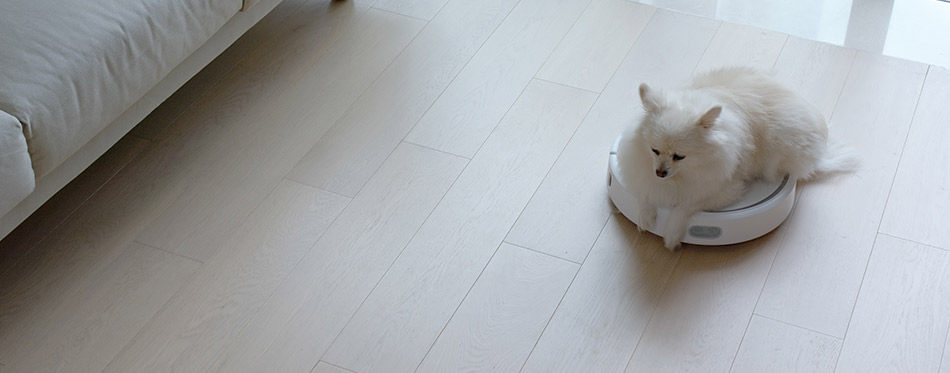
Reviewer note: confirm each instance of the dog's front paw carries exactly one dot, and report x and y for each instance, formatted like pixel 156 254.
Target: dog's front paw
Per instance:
pixel 646 219
pixel 671 243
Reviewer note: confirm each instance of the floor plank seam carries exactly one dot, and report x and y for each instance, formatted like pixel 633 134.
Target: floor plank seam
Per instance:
pixel 349 108
pixel 542 253
pixel 459 305
pixel 913 241
pixel 393 262
pixel 437 150
pixel 796 326
pixel 900 156
pixel 841 92
pixel 535 77
pixel 169 252
pixel 625 55
pixel 556 159
pixel 666 286
pixel 480 146
pixel 403 15
pixel 460 71
pixel 706 48
pixel 784 44
pixel 559 42
pixel 158 311
pixel 558 306
pixel 860 288
pixel 331 364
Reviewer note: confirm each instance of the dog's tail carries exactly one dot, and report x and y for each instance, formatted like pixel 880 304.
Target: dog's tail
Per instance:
pixel 837 158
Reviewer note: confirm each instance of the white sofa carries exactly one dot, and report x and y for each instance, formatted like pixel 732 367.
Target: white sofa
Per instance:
pixel 77 76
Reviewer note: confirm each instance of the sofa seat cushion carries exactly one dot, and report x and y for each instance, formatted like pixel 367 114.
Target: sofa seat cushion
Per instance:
pixel 69 68
pixel 16 175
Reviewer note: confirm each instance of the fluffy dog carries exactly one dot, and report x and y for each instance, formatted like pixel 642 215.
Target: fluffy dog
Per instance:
pixel 697 148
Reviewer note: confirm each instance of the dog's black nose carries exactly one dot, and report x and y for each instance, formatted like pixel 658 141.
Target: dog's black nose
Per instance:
pixel 661 173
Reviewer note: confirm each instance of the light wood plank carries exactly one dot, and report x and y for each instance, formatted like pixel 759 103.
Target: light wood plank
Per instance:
pixel 945 364
pixel 91 325
pixel 203 318
pixel 465 114
pixel 606 309
pixel 596 45
pixel 298 323
pixel 358 142
pixel 238 177
pixel 65 202
pixel 772 346
pixel 701 317
pixel 919 204
pixel 110 220
pixel 280 28
pixel 815 70
pixel 902 315
pixel 422 9
pixel 402 317
pixel 737 45
pixel 568 211
pixel 817 272
pixel 323 367
pixel 503 315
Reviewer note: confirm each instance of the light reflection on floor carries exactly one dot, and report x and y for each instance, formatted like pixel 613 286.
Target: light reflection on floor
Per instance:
pixel 917 30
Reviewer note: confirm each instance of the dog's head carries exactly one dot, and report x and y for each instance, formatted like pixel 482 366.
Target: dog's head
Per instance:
pixel 675 130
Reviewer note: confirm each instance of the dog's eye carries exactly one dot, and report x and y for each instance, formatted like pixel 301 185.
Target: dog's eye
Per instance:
pixel 677 157
pixel 657 152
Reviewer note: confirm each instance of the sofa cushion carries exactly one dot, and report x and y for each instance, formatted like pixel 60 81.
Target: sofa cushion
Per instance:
pixel 16 175
pixel 71 67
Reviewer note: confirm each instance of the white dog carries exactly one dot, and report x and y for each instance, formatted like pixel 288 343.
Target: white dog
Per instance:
pixel 698 147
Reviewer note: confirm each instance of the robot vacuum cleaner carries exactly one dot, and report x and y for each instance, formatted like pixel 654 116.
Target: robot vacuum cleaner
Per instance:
pixel 763 208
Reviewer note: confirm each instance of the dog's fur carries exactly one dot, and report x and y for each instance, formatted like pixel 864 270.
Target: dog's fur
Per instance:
pixel 698 147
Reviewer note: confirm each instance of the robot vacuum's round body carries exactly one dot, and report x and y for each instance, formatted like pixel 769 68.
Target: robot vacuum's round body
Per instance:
pixel 763 207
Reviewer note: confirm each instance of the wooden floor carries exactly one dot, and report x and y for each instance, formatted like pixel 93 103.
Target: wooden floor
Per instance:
pixel 397 185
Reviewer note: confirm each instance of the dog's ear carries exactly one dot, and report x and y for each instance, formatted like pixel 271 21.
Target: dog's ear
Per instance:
pixel 651 102
pixel 708 119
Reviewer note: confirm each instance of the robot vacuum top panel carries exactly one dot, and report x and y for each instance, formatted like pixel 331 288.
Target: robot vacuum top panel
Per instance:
pixel 763 208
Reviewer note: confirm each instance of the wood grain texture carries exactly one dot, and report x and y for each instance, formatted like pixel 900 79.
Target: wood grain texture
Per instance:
pixel 815 70
pixel 300 320
pixel 465 114
pixel 358 142
pixel 700 319
pixel 599 322
pixel 570 207
pixel 201 320
pixel 279 32
pixel 90 325
pixel 737 45
pixel 918 207
pixel 402 317
pixel 82 246
pixel 138 194
pixel 65 202
pixel 501 318
pixel 945 364
pixel 902 315
pixel 422 9
pixel 590 53
pixel 817 272
pixel 772 346
pixel 244 169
